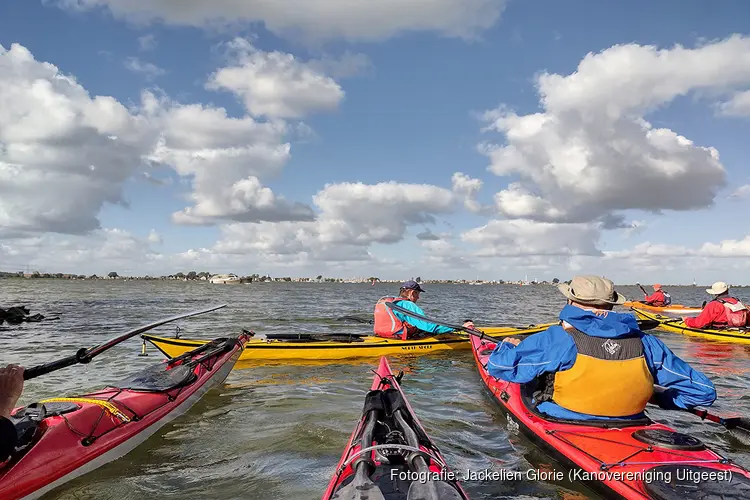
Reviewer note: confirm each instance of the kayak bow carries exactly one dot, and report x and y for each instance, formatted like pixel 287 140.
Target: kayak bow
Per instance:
pixel 63 438
pixel 735 335
pixel 631 459
pixel 389 456
pixel 326 347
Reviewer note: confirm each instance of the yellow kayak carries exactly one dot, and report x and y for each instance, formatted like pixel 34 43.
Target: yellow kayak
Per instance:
pixel 676 325
pixel 260 349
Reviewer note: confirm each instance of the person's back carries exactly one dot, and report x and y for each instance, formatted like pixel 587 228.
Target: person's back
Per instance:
pixel 598 364
pixel 724 310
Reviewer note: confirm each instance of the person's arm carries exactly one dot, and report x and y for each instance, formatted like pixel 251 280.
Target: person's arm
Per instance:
pixel 421 324
pixel 11 386
pixel 708 315
pixel 650 299
pixel 547 351
pixel 686 387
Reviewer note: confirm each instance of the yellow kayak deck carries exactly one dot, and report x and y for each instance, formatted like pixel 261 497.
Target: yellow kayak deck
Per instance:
pixel 734 335
pixel 261 349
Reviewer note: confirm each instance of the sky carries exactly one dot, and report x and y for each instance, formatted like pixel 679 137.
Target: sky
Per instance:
pixel 447 139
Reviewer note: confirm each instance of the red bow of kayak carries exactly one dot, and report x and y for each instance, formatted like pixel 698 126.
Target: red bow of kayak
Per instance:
pixel 63 438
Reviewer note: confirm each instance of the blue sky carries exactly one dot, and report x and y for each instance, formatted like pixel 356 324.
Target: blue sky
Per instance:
pixel 410 113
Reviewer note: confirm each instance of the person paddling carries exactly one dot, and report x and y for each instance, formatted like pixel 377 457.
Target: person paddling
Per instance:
pixel 11 387
pixel 659 298
pixel 724 310
pixel 598 364
pixel 396 325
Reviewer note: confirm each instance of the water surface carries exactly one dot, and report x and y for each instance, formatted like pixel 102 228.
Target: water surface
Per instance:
pixel 278 431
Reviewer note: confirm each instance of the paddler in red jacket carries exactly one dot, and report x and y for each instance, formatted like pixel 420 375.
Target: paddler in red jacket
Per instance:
pixel 659 298
pixel 597 364
pixel 724 310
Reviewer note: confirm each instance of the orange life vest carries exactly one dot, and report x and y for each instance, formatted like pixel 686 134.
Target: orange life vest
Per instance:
pixel 387 325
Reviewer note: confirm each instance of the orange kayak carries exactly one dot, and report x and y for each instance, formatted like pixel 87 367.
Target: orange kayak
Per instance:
pixel 670 310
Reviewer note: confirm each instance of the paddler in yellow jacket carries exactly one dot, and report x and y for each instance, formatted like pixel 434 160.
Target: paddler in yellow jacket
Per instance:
pixel 598 364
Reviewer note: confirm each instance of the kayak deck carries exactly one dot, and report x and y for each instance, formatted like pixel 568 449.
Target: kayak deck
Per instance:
pixel 636 459
pixel 734 335
pixel 389 456
pixel 63 438
pixel 310 348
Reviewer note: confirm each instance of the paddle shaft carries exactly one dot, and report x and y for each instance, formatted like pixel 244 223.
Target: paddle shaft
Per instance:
pixel 728 422
pixel 642 289
pixel 84 355
pixel 647 324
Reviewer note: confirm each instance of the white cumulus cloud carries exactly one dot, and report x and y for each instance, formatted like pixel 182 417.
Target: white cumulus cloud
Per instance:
pixel 357 20
pixel 590 153
pixel 275 84
pixel 63 152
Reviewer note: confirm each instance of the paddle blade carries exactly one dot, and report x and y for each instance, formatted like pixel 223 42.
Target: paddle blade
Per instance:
pixel 648 324
pixel 432 490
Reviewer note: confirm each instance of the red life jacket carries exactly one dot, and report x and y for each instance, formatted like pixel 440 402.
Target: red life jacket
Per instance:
pixel 387 325
pixel 736 312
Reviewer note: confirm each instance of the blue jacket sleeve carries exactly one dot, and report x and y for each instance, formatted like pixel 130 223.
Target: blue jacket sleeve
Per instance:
pixel 685 386
pixel 548 351
pixel 422 325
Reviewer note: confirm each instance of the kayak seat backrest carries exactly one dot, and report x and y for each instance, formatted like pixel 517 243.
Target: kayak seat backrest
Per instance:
pixel 530 395
pixel 156 379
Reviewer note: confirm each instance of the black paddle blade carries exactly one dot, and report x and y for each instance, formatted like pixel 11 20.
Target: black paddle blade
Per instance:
pixel 648 324
pixel 432 490
pixel 361 487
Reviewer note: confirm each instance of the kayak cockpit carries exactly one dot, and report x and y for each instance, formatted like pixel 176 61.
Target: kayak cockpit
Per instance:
pixel 156 379
pixel 391 458
pixel 531 393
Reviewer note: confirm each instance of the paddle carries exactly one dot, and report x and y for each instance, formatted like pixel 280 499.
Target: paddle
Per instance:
pixel 730 423
pixel 355 318
pixel 85 355
pixel 643 324
pixel 642 289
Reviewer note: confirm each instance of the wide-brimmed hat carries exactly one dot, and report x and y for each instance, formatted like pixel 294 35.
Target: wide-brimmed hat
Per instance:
pixel 657 287
pixel 592 290
pixel 718 288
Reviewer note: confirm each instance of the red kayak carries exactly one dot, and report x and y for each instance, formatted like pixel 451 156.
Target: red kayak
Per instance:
pixel 63 438
pixel 631 459
pixel 389 456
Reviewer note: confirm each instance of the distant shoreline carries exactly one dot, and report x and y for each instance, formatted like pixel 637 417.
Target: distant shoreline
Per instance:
pixel 267 279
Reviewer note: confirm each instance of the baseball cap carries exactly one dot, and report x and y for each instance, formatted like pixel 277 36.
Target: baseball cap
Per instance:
pixel 412 285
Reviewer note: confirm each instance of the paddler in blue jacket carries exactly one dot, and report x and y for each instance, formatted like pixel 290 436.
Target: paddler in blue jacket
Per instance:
pixel 598 364
pixel 391 324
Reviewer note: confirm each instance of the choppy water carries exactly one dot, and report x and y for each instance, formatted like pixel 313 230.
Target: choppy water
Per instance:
pixel 278 431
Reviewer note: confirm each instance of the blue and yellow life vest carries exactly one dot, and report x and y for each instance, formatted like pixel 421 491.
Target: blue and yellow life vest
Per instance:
pixel 609 378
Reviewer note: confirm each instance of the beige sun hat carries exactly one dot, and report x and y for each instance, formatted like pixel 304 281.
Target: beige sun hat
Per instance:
pixel 591 290
pixel 718 288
